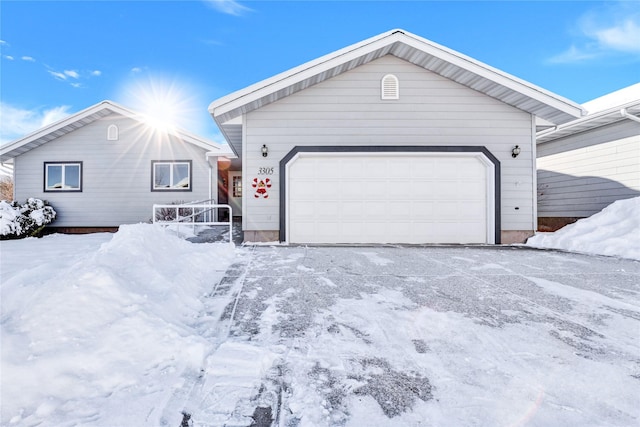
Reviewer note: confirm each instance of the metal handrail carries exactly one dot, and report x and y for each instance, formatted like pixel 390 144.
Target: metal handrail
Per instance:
pixel 205 212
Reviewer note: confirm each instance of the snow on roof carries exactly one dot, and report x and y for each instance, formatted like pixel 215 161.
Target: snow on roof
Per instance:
pixel 402 44
pixel 89 115
pixel 613 99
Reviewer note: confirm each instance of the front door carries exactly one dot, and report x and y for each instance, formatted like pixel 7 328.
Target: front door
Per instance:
pixel 235 192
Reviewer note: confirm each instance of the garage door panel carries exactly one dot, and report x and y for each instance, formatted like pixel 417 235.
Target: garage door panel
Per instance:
pixel 419 171
pixel 390 198
pixel 471 169
pixel 350 190
pixel 375 210
pixel 299 188
pixel 303 210
pixel 352 210
pixel 324 190
pixel 424 209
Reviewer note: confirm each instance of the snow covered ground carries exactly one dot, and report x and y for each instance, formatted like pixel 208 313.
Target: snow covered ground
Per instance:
pixel 615 231
pixel 99 329
pixel 132 329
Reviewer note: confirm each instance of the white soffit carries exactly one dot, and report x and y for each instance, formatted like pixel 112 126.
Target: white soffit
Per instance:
pixel 417 50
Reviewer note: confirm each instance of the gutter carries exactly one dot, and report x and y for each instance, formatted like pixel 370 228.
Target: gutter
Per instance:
pixel 624 113
pixel 614 114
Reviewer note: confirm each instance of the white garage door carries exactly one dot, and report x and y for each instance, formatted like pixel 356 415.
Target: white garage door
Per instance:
pixel 390 198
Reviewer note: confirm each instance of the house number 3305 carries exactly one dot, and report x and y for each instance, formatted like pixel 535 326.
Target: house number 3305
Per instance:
pixel 265 171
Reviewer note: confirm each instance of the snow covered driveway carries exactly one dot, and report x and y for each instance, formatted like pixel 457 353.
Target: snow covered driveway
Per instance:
pixel 397 336
pixel 132 329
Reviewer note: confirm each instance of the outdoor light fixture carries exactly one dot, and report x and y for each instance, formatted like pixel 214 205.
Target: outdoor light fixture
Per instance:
pixel 265 150
pixel 514 151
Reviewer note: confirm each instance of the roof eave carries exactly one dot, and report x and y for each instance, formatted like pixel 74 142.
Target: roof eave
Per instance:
pixel 586 123
pixel 547 105
pixel 48 133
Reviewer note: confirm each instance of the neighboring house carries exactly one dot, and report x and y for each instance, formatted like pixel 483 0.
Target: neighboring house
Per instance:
pixel 392 140
pixel 589 163
pixel 106 166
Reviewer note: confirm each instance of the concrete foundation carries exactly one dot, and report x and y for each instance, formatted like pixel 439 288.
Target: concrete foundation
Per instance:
pixel 261 236
pixel 515 236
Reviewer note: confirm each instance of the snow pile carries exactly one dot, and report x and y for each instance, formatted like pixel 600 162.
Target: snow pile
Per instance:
pixel 614 231
pixel 21 221
pixel 102 332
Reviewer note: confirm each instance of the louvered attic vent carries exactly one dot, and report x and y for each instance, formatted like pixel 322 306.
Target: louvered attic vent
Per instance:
pixel 390 87
pixel 112 133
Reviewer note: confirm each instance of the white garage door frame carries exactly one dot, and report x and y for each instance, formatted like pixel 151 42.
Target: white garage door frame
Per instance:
pixel 482 153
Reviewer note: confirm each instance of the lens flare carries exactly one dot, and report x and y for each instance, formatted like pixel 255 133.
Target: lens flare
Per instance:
pixel 165 103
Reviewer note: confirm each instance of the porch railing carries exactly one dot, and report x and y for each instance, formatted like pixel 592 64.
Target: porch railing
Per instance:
pixel 203 212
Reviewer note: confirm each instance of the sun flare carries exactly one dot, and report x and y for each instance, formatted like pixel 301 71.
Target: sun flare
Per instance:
pixel 165 103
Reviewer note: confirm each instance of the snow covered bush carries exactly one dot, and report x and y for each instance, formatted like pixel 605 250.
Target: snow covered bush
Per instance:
pixel 18 221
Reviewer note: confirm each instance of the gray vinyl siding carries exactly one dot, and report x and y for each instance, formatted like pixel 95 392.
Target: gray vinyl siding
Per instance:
pixel 581 174
pixel 116 187
pixel 432 110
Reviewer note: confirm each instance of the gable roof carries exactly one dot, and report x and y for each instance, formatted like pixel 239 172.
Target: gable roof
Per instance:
pixel 598 119
pixel 402 44
pixel 89 115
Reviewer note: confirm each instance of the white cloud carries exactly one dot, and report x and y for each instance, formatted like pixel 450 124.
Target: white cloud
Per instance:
pixel 573 54
pixel 613 29
pixel 230 7
pixel 9 57
pixel 28 58
pixel 3 43
pixel 57 75
pixel 624 37
pixel 136 70
pixel 17 122
pixel 72 73
pixel 72 76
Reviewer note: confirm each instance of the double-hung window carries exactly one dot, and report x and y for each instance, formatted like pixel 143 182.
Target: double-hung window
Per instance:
pixel 171 175
pixel 62 176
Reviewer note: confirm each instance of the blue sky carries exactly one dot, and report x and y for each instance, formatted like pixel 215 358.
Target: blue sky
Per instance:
pixel 58 58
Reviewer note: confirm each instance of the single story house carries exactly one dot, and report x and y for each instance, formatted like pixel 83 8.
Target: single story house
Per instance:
pixel 107 165
pixel 591 162
pixel 395 139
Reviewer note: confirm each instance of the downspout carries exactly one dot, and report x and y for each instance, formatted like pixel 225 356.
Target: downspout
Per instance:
pixel 534 166
pixel 624 113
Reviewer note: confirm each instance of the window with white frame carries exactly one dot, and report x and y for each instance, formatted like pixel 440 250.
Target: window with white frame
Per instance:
pixel 171 175
pixel 63 176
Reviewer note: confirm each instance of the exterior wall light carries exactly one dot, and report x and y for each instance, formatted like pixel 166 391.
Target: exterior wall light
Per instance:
pixel 265 150
pixel 514 151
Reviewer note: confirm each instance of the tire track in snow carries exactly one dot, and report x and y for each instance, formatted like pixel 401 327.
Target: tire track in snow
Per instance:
pixel 185 399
